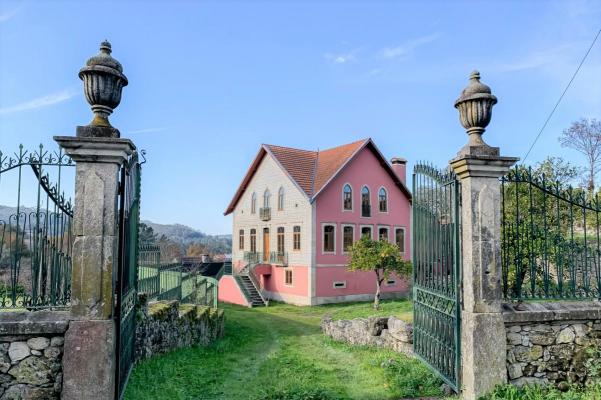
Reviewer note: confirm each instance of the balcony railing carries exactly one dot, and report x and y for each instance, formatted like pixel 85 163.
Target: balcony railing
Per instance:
pixel 278 258
pixel 366 210
pixel 265 213
pixel 274 258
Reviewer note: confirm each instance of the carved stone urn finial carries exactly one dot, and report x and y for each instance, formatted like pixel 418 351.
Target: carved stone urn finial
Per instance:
pixel 103 81
pixel 475 109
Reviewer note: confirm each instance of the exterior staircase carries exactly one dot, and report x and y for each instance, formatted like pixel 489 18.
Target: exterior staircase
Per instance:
pixel 251 292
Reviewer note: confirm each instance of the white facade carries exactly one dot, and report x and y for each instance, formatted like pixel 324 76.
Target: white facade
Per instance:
pixel 297 211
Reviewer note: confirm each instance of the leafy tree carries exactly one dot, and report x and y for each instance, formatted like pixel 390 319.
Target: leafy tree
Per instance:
pixel 146 234
pixel 379 256
pixel 584 136
pixel 557 170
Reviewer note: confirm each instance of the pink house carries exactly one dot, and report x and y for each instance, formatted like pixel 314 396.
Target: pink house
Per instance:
pixel 297 211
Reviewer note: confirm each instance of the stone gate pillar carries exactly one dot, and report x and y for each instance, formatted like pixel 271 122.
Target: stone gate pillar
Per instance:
pixel 89 352
pixel 479 167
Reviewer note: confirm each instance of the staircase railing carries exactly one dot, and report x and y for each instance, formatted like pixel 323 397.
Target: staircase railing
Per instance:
pixel 253 259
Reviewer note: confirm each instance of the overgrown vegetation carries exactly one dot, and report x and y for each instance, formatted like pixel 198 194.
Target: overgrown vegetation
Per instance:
pixel 279 353
pixel 509 392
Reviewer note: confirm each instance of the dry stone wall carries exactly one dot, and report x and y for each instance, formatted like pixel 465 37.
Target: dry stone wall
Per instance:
pixel 552 343
pixel 166 325
pixel 31 351
pixel 389 332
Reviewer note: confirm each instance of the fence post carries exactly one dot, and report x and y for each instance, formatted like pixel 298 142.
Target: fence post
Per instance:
pixel 89 358
pixel 479 167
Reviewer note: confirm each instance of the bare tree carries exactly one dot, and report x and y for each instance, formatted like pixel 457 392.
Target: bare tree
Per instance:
pixel 584 136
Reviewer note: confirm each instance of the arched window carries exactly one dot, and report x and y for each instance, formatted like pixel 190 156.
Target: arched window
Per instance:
pixel 365 202
pixel 253 203
pixel 383 200
pixel 296 238
pixel 347 198
pixel 253 240
pixel 281 199
pixel 266 198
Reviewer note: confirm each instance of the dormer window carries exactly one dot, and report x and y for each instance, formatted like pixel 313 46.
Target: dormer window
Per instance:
pixel 347 198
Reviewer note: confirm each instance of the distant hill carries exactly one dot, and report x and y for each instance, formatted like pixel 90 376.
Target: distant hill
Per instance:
pixel 186 236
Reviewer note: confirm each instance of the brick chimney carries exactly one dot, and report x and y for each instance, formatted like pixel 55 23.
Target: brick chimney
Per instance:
pixel 399 166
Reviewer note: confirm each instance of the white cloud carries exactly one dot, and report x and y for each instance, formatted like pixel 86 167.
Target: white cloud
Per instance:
pixel 341 58
pixel 537 59
pixel 6 15
pixel 40 102
pixel 408 47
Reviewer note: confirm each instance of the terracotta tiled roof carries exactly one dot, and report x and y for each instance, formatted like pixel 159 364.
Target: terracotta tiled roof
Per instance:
pixel 300 165
pixel 331 160
pixel 312 170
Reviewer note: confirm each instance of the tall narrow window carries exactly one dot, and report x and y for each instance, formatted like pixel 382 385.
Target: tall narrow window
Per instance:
pixel 266 198
pixel 383 200
pixel 288 277
pixel 296 238
pixel 399 237
pixel 383 233
pixel 329 238
pixel 281 240
pixel 281 199
pixel 348 235
pixel 241 239
pixel 253 203
pixel 347 198
pixel 366 232
pixel 365 202
pixel 253 240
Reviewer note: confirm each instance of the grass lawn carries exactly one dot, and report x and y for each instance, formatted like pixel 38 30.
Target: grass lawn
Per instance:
pixel 278 352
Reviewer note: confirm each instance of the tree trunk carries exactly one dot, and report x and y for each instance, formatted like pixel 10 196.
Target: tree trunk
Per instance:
pixel 377 296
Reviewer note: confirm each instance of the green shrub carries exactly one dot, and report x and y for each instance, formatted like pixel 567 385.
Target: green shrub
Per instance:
pixel 298 393
pixel 510 392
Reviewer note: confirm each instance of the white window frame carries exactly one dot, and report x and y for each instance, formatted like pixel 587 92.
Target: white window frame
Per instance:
pixel 404 229
pixel 286 271
pixel 366 226
pixel 323 237
pixel 342 226
pixel 281 198
pixel 387 201
pixel 241 234
pixel 387 228
pixel 267 198
pixel 352 199
pixel 343 286
pixel 300 238
pixel 371 211
pixel 253 203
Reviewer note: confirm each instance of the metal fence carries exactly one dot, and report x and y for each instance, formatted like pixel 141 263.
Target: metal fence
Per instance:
pixel 173 281
pixel 36 236
pixel 550 239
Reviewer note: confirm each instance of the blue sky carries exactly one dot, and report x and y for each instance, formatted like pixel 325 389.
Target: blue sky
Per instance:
pixel 211 81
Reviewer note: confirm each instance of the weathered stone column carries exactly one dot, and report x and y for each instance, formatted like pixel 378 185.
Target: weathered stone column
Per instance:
pixel 479 167
pixel 89 349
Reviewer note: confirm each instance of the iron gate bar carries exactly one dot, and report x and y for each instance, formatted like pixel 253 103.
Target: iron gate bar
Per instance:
pixel 436 273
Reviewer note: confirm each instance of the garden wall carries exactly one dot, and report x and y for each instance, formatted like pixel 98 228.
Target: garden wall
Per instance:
pixel 552 343
pixel 166 325
pixel 31 352
pixel 389 332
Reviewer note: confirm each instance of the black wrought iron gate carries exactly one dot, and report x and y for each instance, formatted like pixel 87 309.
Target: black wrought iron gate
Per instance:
pixel 126 274
pixel 436 271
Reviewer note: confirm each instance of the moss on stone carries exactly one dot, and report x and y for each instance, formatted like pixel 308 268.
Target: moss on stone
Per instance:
pixel 160 310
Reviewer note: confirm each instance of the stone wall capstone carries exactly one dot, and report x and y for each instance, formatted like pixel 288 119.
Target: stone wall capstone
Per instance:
pixel 389 332
pixel 550 343
pixel 166 325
